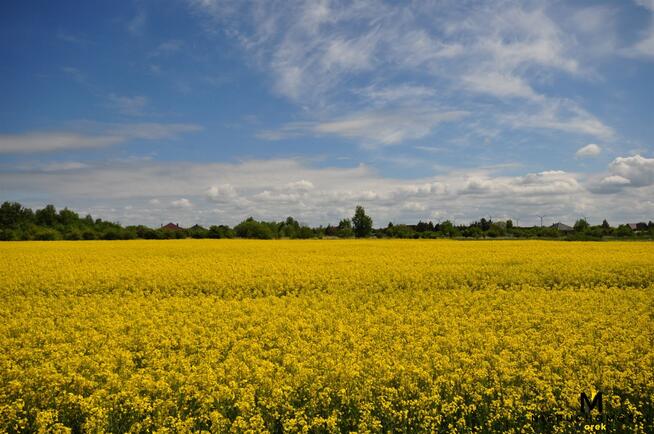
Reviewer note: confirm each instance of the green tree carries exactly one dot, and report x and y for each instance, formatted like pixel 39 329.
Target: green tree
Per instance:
pixel 67 217
pixel 250 228
pixel 46 216
pixel 13 215
pixel 362 223
pixel 581 225
pixel 344 229
pixel 624 231
pixel 222 231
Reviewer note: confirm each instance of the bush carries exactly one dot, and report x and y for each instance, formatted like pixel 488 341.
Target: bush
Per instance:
pixel 251 228
pixel 73 235
pixel 46 234
pixel 221 231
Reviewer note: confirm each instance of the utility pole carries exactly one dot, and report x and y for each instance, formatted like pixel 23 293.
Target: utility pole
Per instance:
pixel 541 219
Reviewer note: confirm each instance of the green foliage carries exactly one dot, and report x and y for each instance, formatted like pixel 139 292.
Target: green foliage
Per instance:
pixel 46 234
pixel 250 228
pixel 581 225
pixel 362 223
pixel 624 231
pixel 46 216
pixel 221 231
pixel 20 223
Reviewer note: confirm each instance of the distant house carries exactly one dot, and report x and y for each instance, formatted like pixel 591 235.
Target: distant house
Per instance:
pixel 173 227
pixel 642 226
pixel 196 227
pixel 562 227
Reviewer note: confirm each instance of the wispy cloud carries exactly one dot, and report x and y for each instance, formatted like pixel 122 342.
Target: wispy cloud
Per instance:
pixel 74 73
pixel 72 38
pixel 372 129
pixel 644 47
pixel 128 105
pixel 167 48
pixel 104 135
pixel 136 26
pixel 560 115
pixel 318 56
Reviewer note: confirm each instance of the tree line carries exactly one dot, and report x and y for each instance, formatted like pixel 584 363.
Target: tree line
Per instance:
pixel 20 223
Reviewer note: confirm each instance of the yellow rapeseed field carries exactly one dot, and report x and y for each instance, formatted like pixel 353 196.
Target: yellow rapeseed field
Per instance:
pixel 325 336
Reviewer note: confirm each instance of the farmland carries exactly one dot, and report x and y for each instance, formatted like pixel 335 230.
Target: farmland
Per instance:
pixel 324 336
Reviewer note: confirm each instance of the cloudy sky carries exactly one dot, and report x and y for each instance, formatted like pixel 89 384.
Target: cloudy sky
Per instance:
pixel 209 111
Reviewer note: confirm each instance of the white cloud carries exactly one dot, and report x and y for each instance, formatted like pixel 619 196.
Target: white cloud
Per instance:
pixel 64 165
pixel 221 192
pixel 74 73
pixel 53 141
pixel 590 150
pixel 128 105
pixel 181 203
pixel 637 169
pixel 500 84
pixel 136 25
pixel 274 189
pixel 530 185
pixel 648 4
pixel 332 58
pixel 626 175
pixel 561 115
pixel 168 47
pixel 644 48
pixel 373 129
pixel 613 180
pixel 102 136
pixel 301 185
pixel 382 95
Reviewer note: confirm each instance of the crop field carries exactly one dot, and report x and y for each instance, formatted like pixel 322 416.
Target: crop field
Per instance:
pixel 325 336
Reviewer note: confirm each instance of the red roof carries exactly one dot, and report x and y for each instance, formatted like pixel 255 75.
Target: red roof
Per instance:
pixel 172 227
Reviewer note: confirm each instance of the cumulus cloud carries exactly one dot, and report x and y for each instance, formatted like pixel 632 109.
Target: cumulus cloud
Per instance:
pixel 590 150
pixel 553 182
pixel 212 193
pixel 615 180
pixel 637 169
pixel 625 174
pixel 221 192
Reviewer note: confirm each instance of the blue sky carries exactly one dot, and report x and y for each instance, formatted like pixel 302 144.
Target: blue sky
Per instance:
pixel 209 111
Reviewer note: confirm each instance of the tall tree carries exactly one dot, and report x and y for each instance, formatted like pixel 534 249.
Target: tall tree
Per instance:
pixel 362 223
